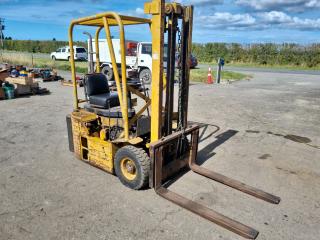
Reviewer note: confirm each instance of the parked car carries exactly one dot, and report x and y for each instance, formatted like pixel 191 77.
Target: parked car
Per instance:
pixel 193 61
pixel 80 53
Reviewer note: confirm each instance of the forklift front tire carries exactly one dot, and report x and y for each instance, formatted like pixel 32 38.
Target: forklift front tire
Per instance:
pixel 132 167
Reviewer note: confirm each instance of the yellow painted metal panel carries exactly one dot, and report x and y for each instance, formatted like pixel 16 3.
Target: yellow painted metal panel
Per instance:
pixel 84 116
pixel 121 87
pixel 152 7
pixel 101 153
pixel 105 121
pixel 135 141
pixel 157 29
pixel 97 20
pixel 73 68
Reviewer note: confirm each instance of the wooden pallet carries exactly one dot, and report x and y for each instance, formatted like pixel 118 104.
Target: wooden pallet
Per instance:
pixel 20 80
pixel 69 83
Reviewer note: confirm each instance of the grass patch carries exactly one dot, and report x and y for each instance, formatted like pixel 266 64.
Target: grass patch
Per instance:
pixel 39 61
pixel 268 66
pixel 44 61
pixel 201 75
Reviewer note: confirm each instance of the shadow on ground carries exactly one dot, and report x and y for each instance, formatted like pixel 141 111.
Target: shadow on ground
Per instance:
pixel 207 151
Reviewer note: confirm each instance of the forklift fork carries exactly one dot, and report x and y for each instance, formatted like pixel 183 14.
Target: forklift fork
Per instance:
pixel 160 173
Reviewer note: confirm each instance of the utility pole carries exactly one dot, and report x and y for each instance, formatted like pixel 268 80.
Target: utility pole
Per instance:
pixel 1 32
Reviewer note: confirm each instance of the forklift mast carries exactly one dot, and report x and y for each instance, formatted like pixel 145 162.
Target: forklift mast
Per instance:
pixel 165 19
pixel 171 149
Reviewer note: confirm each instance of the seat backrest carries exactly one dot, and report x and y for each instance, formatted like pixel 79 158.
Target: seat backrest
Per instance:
pixel 95 84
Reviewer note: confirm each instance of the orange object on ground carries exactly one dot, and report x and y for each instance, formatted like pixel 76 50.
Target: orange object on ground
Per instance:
pixel 210 78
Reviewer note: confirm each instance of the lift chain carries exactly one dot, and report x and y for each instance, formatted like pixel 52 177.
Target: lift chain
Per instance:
pixel 179 52
pixel 183 141
pixel 179 75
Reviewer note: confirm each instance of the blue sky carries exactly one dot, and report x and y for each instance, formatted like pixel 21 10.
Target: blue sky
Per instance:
pixel 244 21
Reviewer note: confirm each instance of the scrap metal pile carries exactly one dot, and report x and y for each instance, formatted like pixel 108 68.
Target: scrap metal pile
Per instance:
pixel 18 81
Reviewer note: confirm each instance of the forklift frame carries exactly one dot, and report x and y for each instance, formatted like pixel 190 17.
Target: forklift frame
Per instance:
pixel 106 20
pixel 161 136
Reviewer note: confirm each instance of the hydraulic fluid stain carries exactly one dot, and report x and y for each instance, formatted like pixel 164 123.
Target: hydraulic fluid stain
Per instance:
pixel 294 138
pixel 291 137
pixel 252 131
pixel 276 134
pixel 298 139
pixel 265 156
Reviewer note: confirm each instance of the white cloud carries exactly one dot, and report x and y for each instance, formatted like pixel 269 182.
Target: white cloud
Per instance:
pixel 275 17
pixel 288 5
pixel 227 21
pixel 260 21
pixel 283 20
pixel 202 2
pixel 138 12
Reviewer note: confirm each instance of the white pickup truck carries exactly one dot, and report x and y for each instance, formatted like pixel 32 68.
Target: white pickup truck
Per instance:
pixel 138 58
pixel 80 53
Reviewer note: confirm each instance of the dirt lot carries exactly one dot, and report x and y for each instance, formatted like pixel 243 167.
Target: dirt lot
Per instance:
pixel 46 193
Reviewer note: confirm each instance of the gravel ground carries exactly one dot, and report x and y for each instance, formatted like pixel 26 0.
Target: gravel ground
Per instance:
pixel 264 132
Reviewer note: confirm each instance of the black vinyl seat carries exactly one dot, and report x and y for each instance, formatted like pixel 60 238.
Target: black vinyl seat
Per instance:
pixel 101 100
pixel 111 113
pixel 98 92
pixel 105 100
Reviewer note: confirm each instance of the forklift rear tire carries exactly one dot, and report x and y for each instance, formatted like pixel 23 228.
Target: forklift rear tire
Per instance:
pixel 132 166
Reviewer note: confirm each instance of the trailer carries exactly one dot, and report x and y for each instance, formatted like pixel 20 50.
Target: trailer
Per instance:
pixel 138 59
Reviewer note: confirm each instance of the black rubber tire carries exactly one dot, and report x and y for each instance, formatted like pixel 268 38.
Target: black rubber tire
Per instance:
pixel 108 72
pixel 142 162
pixel 69 59
pixel 145 76
pixel 54 58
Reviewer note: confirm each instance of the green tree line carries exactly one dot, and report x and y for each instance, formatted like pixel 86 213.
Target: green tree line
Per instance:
pixel 36 46
pixel 262 54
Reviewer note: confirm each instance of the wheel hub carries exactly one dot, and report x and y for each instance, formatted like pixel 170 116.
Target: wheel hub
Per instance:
pixel 128 169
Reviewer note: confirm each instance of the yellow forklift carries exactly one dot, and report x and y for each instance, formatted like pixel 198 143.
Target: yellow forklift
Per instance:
pixel 146 147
